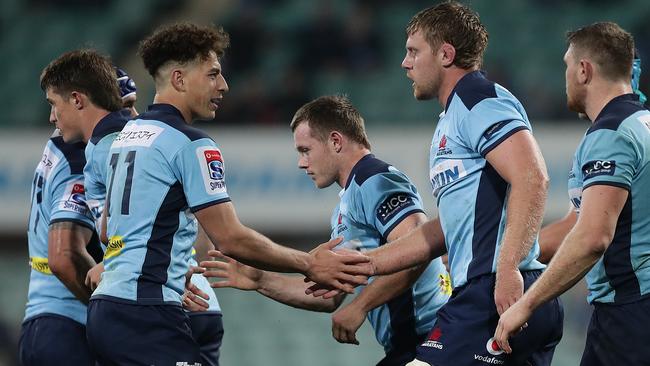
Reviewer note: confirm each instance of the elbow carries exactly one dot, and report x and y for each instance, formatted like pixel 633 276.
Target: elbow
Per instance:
pixel 598 243
pixel 58 264
pixel 539 180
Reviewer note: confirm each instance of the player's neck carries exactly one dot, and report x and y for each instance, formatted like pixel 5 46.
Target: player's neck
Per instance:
pixel 451 77
pixel 351 159
pixel 601 94
pixel 94 115
pixel 178 103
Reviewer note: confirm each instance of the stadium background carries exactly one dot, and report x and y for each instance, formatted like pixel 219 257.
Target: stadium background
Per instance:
pixel 284 53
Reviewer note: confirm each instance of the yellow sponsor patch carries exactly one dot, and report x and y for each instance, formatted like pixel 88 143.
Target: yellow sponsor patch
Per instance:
pixel 444 281
pixel 115 245
pixel 40 265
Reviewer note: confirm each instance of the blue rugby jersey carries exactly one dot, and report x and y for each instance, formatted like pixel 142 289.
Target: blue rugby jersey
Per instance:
pixel 471 196
pixel 376 198
pixel 95 177
pixel 57 196
pixel 616 151
pixel 161 170
pixel 96 155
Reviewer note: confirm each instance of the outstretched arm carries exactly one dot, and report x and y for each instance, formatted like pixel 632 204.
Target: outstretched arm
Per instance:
pixel 322 265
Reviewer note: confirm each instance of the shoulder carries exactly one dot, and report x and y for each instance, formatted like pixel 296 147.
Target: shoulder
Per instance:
pixel 73 154
pixel 367 167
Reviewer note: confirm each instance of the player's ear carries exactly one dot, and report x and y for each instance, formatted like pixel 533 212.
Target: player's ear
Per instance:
pixel 77 99
pixel 447 53
pixel 585 71
pixel 336 141
pixel 177 79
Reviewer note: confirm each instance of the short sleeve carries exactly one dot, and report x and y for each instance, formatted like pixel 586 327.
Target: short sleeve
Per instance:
pixel 490 123
pixel 68 201
pixel 387 199
pixel 607 157
pixel 201 170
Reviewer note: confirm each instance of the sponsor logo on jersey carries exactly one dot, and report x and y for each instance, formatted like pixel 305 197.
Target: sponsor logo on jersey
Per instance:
pixel 182 363
pixel 215 164
pixel 393 205
pixel 75 199
pixel 40 265
pixel 493 347
pixel 444 281
pixel 442 147
pixel 595 168
pixel 489 360
pixel 114 248
pixel 48 162
pixel 575 195
pixel 445 173
pixel 137 135
pixel 645 119
pixel 494 129
pixel 433 340
pixel 212 167
pixel 340 226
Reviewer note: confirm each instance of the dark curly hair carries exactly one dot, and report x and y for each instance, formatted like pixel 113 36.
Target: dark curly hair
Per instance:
pixel 456 24
pixel 182 43
pixel 85 71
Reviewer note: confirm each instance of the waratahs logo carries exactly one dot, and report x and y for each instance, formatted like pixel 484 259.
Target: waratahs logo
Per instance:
pixel 215 164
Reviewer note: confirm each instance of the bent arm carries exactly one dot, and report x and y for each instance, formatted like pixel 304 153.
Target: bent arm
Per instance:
pixel 68 258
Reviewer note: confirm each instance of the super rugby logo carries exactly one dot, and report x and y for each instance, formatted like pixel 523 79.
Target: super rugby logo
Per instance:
pixel 76 200
pixel 212 167
pixel 215 164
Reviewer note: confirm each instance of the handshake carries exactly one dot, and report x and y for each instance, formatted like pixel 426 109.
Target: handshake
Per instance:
pixel 330 272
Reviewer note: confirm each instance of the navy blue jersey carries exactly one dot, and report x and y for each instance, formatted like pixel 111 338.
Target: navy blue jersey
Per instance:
pixel 57 195
pixel 471 196
pixel 161 170
pixel 376 198
pixel 616 151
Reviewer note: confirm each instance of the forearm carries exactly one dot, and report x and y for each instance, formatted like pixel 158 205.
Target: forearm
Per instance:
pixel 73 267
pixel 552 235
pixel 385 288
pixel 573 260
pixel 418 247
pixel 256 250
pixel 290 290
pixel 524 217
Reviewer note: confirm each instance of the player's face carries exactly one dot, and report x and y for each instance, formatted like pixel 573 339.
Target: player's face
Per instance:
pixel 205 87
pixel 575 92
pixel 64 115
pixel 315 157
pixel 422 67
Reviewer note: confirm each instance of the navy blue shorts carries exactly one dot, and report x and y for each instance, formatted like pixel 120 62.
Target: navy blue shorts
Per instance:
pixel 402 354
pixel 52 339
pixel 207 330
pixel 618 335
pixel 130 334
pixel 464 330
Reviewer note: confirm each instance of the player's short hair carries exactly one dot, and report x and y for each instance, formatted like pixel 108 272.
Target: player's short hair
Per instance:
pixel 85 71
pixel 332 113
pixel 182 43
pixel 608 45
pixel 456 24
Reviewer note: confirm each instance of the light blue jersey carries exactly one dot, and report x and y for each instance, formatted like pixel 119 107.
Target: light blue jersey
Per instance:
pixel 57 196
pixel 161 170
pixel 95 176
pixel 471 196
pixel 96 156
pixel 376 198
pixel 615 151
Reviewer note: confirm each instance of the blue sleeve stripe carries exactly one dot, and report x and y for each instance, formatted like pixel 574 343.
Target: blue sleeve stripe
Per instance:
pixel 608 183
pixel 76 221
pixel 502 138
pixel 406 214
pixel 208 204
